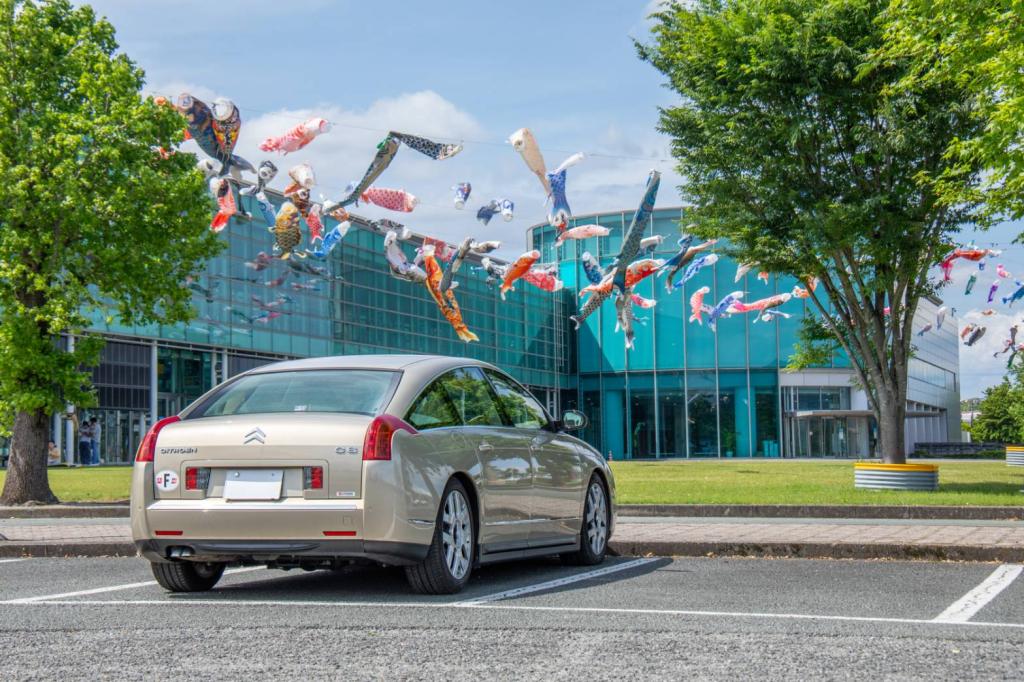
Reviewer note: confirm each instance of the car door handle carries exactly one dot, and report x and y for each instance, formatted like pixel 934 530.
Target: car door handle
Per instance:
pixel 485 447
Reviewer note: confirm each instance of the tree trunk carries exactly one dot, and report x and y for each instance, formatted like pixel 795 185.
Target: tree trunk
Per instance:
pixel 891 425
pixel 26 469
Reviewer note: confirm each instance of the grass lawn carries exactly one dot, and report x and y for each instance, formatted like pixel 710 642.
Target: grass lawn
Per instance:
pixel 806 482
pixel 697 482
pixel 92 484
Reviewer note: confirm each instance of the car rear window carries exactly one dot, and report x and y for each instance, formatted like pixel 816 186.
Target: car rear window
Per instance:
pixel 337 390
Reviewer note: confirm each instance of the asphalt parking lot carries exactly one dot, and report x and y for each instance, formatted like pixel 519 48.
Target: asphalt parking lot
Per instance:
pixel 646 618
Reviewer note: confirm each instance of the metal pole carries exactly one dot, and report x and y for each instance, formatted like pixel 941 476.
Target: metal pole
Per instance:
pixel 686 381
pixel 750 392
pixel 654 376
pixel 718 403
pixel 153 355
pixel 779 431
pixel 69 426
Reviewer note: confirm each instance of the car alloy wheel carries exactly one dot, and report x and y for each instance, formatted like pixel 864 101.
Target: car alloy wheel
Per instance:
pixel 596 518
pixel 457 534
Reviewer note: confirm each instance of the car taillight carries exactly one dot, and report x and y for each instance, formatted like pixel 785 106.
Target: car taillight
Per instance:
pixel 377 444
pixel 147 448
pixel 197 478
pixel 313 478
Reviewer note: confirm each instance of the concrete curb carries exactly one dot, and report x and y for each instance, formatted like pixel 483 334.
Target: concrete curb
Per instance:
pixel 788 511
pixel 796 511
pixel 813 550
pixel 67 511
pixel 809 550
pixel 10 550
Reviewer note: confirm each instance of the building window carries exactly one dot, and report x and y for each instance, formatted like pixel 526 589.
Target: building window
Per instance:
pixel 930 374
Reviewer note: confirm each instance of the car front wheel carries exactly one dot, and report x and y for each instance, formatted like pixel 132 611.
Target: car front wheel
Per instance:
pixel 450 558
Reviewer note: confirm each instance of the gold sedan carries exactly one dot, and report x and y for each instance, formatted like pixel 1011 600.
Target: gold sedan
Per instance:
pixel 434 463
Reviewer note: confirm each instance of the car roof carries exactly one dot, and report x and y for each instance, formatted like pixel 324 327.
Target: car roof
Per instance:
pixel 392 362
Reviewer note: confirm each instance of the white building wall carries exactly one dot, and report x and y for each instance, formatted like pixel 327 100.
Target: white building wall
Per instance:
pixel 938 351
pixel 934 381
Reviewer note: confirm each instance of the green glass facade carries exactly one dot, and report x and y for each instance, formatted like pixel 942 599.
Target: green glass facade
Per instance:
pixel 683 391
pixel 352 305
pixel 348 303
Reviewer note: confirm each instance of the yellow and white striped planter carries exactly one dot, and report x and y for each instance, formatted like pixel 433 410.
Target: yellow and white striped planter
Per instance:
pixel 880 476
pixel 1015 455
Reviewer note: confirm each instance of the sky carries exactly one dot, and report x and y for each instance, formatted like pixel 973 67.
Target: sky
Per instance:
pixel 471 72
pixel 457 71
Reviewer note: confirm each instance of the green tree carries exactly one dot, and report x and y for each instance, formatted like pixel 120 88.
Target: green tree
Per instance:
pixel 978 44
pixel 810 164
pixel 91 217
pixel 1016 403
pixel 996 422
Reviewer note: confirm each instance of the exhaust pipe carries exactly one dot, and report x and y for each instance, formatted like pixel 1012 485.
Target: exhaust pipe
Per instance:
pixel 180 552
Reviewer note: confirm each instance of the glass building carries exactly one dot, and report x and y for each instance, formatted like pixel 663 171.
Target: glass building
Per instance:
pixel 683 391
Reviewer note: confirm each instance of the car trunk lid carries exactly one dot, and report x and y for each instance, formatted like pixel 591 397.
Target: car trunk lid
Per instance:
pixel 262 456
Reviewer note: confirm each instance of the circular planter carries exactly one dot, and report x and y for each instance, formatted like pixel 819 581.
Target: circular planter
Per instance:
pixel 895 476
pixel 1015 455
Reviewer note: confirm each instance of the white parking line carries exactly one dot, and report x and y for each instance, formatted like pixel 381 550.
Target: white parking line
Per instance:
pixel 112 588
pixel 509 607
pixel 552 584
pixel 964 608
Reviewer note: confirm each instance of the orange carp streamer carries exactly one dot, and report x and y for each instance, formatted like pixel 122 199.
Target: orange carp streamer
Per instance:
pixel 445 302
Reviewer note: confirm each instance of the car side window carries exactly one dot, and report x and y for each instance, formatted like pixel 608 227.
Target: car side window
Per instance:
pixel 472 397
pixel 521 407
pixel 432 410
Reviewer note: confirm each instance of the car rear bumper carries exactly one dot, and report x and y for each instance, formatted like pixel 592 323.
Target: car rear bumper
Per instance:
pixel 213 529
pixel 297 551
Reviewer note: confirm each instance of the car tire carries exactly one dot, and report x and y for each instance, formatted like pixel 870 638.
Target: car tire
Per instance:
pixel 449 561
pixel 594 530
pixel 187 576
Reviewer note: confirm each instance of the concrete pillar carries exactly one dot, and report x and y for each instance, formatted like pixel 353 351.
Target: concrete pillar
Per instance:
pixel 56 432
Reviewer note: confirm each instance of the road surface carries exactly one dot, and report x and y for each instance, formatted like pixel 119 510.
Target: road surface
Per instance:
pixel 631 618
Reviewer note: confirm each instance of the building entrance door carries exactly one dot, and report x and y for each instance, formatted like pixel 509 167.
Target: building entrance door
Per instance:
pixel 820 437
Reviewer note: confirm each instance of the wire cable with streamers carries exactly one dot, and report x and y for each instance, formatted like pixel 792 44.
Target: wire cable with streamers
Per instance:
pixel 431 136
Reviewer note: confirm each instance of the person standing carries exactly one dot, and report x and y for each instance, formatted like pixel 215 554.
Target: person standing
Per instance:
pixel 52 454
pixel 97 430
pixel 85 443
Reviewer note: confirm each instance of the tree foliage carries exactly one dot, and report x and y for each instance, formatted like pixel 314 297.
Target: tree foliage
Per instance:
pixel 978 44
pixel 92 218
pixel 997 420
pixel 800 150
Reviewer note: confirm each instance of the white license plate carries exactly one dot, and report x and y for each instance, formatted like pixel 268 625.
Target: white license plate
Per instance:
pixel 253 484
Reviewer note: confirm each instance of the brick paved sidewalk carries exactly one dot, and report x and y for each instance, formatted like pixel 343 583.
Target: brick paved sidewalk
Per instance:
pixel 55 530
pixel 800 531
pixel 996 541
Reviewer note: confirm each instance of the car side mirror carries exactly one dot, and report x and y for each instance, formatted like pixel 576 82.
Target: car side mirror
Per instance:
pixel 574 420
